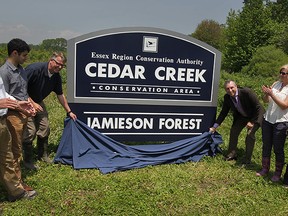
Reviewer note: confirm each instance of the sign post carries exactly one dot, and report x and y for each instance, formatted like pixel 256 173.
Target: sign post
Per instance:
pixel 143 84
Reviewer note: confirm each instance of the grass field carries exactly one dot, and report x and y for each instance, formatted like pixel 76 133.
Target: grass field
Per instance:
pixel 209 187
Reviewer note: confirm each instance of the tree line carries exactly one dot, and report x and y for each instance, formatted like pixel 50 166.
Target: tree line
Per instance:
pixel 253 41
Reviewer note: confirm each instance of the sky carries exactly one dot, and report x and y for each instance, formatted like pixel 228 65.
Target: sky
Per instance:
pixel 37 20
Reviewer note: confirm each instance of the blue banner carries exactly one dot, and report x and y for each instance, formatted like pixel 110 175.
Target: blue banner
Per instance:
pixel 83 147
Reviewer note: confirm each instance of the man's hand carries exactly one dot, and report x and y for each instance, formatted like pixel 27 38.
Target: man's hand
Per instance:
pixel 26 108
pixel 8 103
pixel 37 107
pixel 72 116
pixel 249 125
pixel 212 130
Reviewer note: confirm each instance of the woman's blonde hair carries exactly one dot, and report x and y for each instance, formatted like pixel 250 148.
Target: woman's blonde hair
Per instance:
pixel 285 67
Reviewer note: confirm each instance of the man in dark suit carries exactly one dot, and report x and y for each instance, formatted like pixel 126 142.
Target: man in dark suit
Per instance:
pixel 247 112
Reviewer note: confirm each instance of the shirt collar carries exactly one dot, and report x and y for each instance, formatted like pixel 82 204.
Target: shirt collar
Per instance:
pixel 50 74
pixel 12 66
pixel 237 93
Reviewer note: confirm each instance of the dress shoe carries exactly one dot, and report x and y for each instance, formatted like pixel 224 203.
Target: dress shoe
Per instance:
pixel 46 159
pixel 30 166
pixel 229 158
pixel 246 164
pixel 262 172
pixel 25 195
pixel 275 178
pixel 26 187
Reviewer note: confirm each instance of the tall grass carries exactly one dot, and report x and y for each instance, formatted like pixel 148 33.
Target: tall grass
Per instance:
pixel 209 187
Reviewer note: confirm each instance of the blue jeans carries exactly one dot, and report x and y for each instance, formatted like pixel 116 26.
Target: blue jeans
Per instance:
pixel 274 135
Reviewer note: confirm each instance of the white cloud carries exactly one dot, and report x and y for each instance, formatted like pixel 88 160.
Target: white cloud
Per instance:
pixel 32 36
pixel 17 31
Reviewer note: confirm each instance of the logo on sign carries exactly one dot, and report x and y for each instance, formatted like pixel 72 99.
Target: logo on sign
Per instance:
pixel 150 44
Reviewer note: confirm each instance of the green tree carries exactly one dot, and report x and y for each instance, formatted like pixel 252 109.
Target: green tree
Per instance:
pixel 279 11
pixel 210 32
pixel 265 62
pixel 246 31
pixel 3 53
pixel 58 44
pixel 284 41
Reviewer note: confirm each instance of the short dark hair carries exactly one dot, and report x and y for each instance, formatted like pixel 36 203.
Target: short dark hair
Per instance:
pixel 228 81
pixel 18 45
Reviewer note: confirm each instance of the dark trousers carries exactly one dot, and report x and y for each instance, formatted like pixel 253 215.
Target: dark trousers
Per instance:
pixel 274 135
pixel 238 125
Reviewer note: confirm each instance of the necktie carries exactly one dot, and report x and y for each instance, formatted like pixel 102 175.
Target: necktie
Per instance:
pixel 234 99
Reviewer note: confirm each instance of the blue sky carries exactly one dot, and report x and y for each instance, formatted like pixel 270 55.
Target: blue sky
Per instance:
pixel 37 20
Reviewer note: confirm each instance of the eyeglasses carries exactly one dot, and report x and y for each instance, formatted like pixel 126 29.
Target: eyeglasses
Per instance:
pixel 283 73
pixel 59 64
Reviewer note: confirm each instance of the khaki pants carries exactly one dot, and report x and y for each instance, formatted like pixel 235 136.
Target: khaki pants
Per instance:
pixel 16 122
pixel 7 171
pixel 37 125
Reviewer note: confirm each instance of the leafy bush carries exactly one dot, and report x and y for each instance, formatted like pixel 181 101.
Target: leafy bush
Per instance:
pixel 266 62
pixel 241 80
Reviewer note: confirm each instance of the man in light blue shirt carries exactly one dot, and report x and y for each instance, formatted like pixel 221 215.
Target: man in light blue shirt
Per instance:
pixel 15 84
